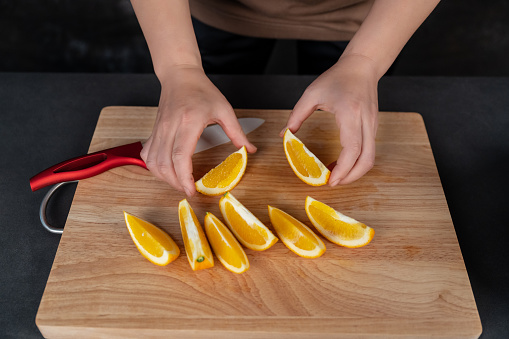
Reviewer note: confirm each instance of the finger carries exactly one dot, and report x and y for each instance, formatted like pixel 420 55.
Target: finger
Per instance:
pixel 185 143
pixel 158 157
pixel 366 159
pixel 350 134
pixel 145 150
pixel 302 110
pixel 147 145
pixel 149 155
pixel 165 165
pixel 233 130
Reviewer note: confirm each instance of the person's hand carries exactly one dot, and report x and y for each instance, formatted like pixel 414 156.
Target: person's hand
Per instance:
pixel 349 91
pixel 189 102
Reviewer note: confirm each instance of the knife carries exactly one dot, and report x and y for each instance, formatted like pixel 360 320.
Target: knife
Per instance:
pixel 92 164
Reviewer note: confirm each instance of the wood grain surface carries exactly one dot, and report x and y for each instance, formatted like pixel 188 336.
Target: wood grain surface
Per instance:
pixel 410 281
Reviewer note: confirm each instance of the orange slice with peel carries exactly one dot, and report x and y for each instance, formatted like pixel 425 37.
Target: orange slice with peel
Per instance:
pixel 225 176
pixel 337 227
pixel 247 228
pixel 225 246
pixel 304 163
pixel 152 242
pixel 195 242
pixel 299 238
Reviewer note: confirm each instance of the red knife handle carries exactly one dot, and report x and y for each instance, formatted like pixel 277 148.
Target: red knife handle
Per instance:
pixel 89 165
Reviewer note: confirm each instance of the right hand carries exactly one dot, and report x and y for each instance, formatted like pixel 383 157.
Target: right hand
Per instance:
pixel 189 102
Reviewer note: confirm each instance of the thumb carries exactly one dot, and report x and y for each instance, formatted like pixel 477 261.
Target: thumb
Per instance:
pixel 233 130
pixel 302 110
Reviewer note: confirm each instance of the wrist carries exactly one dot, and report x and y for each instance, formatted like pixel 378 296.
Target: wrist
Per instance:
pixel 169 72
pixel 360 64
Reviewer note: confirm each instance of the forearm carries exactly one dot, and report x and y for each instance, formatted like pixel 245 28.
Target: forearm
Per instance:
pixel 387 28
pixel 168 30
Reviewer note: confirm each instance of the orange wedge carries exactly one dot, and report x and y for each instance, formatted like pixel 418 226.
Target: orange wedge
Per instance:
pixel 152 242
pixel 295 235
pixel 196 244
pixel 304 163
pixel 225 176
pixel 337 227
pixel 225 246
pixel 250 231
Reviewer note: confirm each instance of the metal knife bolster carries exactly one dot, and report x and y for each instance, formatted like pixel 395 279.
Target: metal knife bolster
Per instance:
pixel 88 165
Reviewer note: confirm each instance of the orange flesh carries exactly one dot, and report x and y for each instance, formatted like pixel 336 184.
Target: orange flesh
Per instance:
pixel 324 216
pixel 222 175
pixel 243 229
pixel 305 164
pixel 226 246
pixel 151 238
pixel 148 241
pixel 300 236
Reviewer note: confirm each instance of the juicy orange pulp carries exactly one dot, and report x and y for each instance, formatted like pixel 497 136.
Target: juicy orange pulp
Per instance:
pixel 247 228
pixel 304 164
pixel 195 242
pixel 244 230
pixel 152 242
pixel 225 246
pixel 295 235
pixel 225 176
pixel 337 227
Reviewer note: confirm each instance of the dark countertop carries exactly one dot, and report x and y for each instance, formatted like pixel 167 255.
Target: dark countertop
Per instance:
pixel 47 118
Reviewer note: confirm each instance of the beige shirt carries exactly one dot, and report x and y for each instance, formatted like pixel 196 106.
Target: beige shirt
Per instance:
pixel 284 19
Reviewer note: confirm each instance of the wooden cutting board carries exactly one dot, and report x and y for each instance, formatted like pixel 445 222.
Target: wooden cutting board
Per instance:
pixel 409 281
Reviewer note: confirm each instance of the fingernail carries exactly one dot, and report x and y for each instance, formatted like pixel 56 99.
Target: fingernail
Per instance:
pixel 335 182
pixel 187 191
pixel 283 131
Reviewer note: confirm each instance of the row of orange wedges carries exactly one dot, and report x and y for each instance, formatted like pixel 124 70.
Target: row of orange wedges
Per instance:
pixel 245 228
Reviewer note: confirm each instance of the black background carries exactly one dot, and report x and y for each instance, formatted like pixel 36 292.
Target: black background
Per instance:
pixel 460 38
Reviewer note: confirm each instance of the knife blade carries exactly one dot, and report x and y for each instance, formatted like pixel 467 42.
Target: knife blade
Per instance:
pixel 89 165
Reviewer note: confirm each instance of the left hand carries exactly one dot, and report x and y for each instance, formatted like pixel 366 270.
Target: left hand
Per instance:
pixel 349 91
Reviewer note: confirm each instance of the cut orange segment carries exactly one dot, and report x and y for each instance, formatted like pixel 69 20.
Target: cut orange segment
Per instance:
pixel 225 246
pixel 225 176
pixel 247 228
pixel 196 244
pixel 304 163
pixel 337 227
pixel 299 238
pixel 152 242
